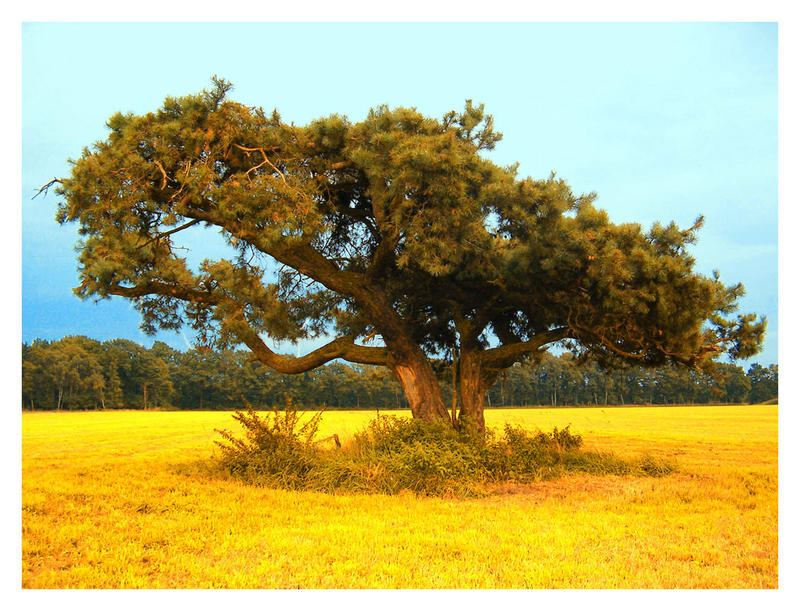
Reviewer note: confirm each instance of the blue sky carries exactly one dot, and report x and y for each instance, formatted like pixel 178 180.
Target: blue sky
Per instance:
pixel 663 121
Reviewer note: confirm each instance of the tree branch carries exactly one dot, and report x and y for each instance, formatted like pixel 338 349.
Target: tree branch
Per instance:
pixel 166 290
pixel 164 234
pixel 505 355
pixel 480 320
pixel 304 258
pixel 266 161
pixel 341 347
pixel 384 254
pixel 45 188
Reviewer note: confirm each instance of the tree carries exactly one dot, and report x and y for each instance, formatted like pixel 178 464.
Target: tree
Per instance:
pixel 206 379
pixel 153 377
pixel 763 383
pixel 395 229
pixel 142 378
pixel 733 383
pixel 34 377
pixel 69 369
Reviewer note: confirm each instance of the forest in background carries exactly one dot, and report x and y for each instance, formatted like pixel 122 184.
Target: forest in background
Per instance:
pixel 79 373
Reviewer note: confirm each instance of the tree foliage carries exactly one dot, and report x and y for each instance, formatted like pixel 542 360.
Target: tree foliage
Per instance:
pixel 395 228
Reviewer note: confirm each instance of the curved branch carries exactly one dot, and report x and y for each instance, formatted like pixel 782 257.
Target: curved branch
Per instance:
pixel 643 353
pixel 340 348
pixel 266 161
pixel 299 256
pixel 505 355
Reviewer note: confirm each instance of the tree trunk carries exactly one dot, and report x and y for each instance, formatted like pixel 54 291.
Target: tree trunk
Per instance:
pixel 422 390
pixel 475 382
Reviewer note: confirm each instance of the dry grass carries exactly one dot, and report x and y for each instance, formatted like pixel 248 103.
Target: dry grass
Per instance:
pixel 127 499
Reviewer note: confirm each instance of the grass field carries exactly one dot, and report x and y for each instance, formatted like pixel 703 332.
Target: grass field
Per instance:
pixel 128 500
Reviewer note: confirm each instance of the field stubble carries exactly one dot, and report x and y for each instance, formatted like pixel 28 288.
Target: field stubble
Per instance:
pixel 129 500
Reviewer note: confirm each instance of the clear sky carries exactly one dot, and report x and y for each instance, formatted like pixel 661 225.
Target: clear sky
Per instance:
pixel 663 121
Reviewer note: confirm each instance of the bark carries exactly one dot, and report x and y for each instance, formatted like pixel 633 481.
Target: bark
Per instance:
pixel 479 368
pixel 341 347
pixel 421 388
pixel 475 382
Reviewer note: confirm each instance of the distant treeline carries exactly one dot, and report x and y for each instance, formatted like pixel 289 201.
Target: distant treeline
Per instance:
pixel 78 373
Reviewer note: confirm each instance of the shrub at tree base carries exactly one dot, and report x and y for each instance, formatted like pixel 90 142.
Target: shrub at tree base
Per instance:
pixel 395 454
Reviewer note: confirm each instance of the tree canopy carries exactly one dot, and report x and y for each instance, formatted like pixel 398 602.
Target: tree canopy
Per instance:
pixel 396 235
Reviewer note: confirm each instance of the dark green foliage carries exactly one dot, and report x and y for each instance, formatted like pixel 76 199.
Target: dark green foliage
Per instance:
pixel 763 382
pixel 395 454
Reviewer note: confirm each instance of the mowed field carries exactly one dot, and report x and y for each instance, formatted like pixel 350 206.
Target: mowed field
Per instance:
pixel 129 500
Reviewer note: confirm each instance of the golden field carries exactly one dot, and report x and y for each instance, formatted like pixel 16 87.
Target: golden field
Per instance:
pixel 128 500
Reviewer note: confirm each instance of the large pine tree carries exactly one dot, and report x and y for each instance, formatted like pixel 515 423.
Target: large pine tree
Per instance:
pixel 395 231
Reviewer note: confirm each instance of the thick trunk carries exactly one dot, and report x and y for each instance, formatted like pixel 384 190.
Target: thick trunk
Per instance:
pixel 421 388
pixel 471 415
pixel 475 381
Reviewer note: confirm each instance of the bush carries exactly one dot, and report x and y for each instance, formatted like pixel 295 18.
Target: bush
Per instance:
pixel 394 454
pixel 427 458
pixel 277 450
